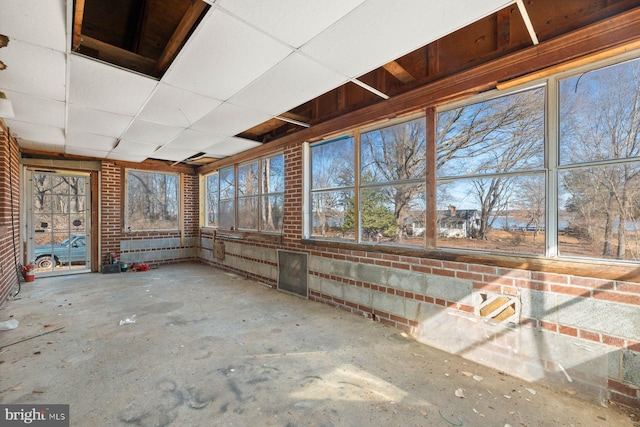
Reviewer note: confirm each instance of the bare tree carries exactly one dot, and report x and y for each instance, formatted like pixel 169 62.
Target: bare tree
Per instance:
pixel 601 121
pixel 396 154
pixel 492 138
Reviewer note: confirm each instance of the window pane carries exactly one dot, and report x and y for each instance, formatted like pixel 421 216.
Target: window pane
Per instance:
pixel 394 153
pixel 273 174
pixel 227 184
pixel 500 135
pixel 227 214
pixel 211 219
pixel 152 201
pixel 392 214
pixel 248 213
pixel 329 211
pixel 599 211
pixel 248 179
pixel 332 164
pixel 599 114
pixel 504 214
pixel 272 209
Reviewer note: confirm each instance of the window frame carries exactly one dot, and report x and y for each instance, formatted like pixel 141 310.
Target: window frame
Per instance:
pixel 126 221
pixel 236 199
pixel 550 170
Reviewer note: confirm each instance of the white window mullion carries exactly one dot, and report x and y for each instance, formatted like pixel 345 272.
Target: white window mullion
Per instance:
pixel 553 132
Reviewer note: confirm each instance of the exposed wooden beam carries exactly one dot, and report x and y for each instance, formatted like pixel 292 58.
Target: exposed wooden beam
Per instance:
pixel 179 36
pixel 122 57
pixel 618 31
pixel 78 16
pixel 503 29
pixel 585 60
pixel 397 71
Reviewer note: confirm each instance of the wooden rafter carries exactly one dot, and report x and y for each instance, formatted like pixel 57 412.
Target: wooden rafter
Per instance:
pixel 397 71
pixel 179 36
pixel 77 24
pixel 119 56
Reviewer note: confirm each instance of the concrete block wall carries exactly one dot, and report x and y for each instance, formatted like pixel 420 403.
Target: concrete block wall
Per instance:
pixel 575 334
pixel 9 224
pixel 580 333
pixel 255 259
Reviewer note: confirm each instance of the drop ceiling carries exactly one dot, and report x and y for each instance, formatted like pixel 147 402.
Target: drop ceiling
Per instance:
pixel 240 68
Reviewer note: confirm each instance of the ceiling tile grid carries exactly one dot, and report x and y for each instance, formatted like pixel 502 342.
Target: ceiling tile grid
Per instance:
pixel 34 70
pixel 246 62
pixel 103 87
pixel 80 118
pixel 176 107
pixel 42 23
pixel 223 56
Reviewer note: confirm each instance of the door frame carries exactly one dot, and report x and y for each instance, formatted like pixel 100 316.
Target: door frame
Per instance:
pixel 27 231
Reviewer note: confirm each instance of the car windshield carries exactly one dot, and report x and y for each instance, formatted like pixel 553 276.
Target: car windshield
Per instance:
pixel 66 241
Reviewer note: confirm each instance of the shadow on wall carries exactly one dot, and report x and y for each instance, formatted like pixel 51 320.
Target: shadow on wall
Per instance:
pixel 563 342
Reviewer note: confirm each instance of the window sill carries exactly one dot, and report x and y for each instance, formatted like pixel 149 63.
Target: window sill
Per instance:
pixel 599 269
pixel 248 236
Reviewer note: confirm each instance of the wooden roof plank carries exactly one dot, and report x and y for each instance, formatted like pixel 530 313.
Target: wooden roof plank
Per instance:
pixel 179 36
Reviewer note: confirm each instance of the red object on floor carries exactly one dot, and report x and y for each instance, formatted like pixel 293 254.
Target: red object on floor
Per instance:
pixel 141 267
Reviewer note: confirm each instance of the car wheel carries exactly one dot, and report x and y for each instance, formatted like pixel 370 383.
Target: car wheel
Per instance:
pixel 45 262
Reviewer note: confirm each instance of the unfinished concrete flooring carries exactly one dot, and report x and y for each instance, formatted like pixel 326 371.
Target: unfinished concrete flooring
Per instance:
pixel 213 349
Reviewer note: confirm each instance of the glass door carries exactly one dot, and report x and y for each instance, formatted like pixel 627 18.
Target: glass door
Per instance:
pixel 60 222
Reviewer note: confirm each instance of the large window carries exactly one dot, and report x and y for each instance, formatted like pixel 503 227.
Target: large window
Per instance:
pixel 152 201
pixel 552 169
pixel 491 176
pixel 249 196
pixel 332 189
pixel 599 156
pixel 381 197
pixel 272 194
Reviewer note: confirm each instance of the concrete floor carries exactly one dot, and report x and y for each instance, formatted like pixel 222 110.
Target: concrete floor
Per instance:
pixel 213 349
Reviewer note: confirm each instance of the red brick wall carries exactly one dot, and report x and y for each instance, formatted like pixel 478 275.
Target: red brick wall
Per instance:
pixel 484 278
pixel 111 221
pixel 110 209
pixel 9 227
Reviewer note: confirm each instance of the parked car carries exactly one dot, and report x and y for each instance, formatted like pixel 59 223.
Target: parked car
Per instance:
pixel 71 250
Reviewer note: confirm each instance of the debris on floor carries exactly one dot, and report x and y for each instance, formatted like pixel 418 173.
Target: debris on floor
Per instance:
pixel 9 324
pixel 128 320
pixel 140 267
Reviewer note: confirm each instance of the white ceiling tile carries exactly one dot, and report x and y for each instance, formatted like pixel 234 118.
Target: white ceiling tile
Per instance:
pixel 80 151
pixel 229 120
pixel 36 22
pixel 292 82
pixel 95 121
pixel 33 109
pixel 224 56
pixel 126 157
pixel 154 133
pixel 174 154
pixel 194 140
pixel 231 146
pixel 294 22
pixel 34 70
pixel 134 148
pixel 104 87
pixel 90 141
pixel 49 135
pixel 380 31
pixel 176 107
pixel 39 146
